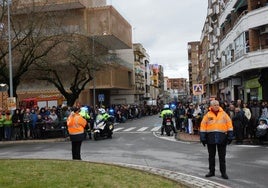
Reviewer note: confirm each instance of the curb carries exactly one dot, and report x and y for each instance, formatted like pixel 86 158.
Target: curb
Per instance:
pixel 187 180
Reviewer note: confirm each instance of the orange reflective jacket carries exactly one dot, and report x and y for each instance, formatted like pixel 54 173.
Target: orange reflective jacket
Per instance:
pixel 76 124
pixel 220 123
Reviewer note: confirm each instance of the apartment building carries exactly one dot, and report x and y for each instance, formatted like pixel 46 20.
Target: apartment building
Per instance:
pixel 107 31
pixel 157 82
pixel 234 50
pixel 177 88
pixel 140 90
pixel 244 50
pixel 209 61
pixel 194 51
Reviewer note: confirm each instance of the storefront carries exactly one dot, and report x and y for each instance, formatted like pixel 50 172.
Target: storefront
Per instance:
pixel 253 90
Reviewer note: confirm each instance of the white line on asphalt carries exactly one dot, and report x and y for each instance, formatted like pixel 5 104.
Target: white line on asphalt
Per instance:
pixel 118 129
pixel 129 129
pixel 155 129
pixel 142 129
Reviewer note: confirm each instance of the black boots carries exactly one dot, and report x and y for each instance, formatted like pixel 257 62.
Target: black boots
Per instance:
pixel 210 174
pixel 224 176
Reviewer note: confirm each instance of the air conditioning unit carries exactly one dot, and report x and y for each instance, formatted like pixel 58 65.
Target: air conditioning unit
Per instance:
pixel 264 29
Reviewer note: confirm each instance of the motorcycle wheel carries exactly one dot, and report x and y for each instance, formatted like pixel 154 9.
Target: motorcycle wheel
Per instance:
pixel 95 136
pixel 167 130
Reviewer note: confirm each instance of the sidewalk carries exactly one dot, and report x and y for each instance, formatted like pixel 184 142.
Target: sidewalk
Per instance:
pixel 187 137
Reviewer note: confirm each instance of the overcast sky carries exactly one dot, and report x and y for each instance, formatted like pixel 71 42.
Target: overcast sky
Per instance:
pixel 164 27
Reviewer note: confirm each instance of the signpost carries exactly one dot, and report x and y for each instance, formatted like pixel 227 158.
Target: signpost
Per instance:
pixel 101 98
pixel 198 89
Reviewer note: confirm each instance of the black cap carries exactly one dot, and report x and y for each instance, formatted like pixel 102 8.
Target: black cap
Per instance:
pixel 75 109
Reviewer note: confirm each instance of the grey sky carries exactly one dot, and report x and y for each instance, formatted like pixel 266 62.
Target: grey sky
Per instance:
pixel 164 27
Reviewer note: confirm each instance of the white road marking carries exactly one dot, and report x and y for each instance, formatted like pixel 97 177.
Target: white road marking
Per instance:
pixel 142 129
pixel 118 129
pixel 155 129
pixel 129 129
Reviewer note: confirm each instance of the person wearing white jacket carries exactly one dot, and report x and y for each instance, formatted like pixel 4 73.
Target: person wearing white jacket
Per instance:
pixel 248 115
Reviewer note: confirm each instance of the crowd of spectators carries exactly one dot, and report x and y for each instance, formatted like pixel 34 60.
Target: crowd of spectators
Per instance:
pixel 245 118
pixel 37 123
pixel 34 123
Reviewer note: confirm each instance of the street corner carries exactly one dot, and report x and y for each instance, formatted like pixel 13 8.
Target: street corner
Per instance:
pixel 172 138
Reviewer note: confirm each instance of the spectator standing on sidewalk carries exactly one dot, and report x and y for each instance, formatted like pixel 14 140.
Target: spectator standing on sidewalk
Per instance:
pixel 179 115
pixel 17 120
pixel 76 125
pixel 264 110
pixel 197 117
pixel 2 130
pixel 189 114
pixel 8 125
pixel 239 121
pixel 248 115
pixel 255 115
pixel 216 131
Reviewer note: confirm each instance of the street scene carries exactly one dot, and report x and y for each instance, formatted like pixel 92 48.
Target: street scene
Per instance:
pixel 176 88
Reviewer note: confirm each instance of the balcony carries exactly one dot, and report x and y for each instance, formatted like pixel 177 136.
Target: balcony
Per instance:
pixel 55 5
pixel 252 19
pixel 108 28
pixel 253 60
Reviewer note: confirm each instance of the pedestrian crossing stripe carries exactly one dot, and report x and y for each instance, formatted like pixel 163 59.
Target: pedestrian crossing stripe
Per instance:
pixel 142 129
pixel 155 129
pixel 139 130
pixel 129 129
pixel 118 129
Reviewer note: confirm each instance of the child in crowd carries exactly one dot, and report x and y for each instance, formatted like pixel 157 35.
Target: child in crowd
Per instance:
pixel 261 132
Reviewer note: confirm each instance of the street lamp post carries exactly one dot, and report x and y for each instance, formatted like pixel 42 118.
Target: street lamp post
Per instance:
pixel 94 83
pixel 9 51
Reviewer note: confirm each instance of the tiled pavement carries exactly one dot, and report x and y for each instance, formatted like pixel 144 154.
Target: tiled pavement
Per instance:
pixel 187 137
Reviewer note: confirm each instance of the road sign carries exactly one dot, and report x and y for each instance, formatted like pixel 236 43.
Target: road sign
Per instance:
pixel 101 97
pixel 198 89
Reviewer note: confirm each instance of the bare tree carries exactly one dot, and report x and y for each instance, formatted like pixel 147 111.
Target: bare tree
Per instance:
pixel 71 66
pixel 30 41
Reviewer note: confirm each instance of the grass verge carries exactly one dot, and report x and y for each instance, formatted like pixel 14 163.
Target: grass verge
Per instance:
pixel 75 174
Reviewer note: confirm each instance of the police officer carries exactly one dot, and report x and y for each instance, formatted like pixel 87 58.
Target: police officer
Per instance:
pixel 84 113
pixel 216 131
pixel 104 114
pixel 164 113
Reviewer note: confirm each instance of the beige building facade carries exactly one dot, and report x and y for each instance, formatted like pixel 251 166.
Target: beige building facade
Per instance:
pixel 106 31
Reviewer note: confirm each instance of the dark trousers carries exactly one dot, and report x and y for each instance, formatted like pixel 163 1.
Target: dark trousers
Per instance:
pixel 2 133
pixel 179 123
pixel 76 150
pixel 212 153
pixel 76 145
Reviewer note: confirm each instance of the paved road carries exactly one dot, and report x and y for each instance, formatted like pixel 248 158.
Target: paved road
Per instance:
pixel 246 165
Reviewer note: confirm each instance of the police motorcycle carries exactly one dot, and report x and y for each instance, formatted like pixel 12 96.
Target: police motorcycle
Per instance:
pixel 103 126
pixel 167 124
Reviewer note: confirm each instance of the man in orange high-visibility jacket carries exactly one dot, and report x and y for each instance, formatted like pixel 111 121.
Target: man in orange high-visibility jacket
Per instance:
pixel 216 131
pixel 76 124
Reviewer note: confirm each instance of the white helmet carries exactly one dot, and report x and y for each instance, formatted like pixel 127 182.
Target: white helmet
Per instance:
pixel 166 106
pixel 101 110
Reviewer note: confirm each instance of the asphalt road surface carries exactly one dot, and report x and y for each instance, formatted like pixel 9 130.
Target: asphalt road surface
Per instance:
pixel 138 142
